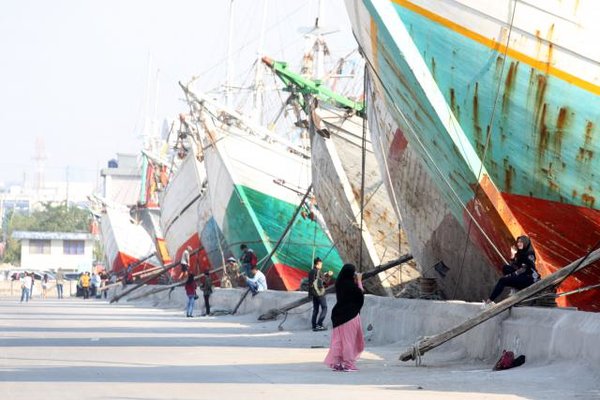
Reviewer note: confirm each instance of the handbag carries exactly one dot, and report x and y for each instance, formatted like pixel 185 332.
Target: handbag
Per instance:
pixel 196 297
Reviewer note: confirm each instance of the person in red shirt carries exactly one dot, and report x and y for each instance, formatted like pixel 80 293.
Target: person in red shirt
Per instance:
pixel 190 291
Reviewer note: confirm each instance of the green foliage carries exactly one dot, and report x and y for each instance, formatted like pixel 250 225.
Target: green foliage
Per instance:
pixel 57 218
pixel 12 252
pixel 50 218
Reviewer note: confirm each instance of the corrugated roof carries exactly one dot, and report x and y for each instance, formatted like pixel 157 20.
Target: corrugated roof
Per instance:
pixel 51 235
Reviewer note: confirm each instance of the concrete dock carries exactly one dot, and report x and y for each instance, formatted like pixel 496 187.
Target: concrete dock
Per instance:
pixel 76 349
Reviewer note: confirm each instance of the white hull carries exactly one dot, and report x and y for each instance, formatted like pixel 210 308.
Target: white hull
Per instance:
pixel 124 241
pixel 337 176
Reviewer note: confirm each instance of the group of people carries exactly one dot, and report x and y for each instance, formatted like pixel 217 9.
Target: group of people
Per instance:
pixel 91 284
pixel 206 286
pixel 233 276
pixel 27 280
pixel 347 339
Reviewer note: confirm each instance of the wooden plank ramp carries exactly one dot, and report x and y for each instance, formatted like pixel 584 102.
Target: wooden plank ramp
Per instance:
pixel 429 343
pixel 273 313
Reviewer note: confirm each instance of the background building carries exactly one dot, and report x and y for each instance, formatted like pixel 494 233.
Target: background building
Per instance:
pixel 122 180
pixel 51 250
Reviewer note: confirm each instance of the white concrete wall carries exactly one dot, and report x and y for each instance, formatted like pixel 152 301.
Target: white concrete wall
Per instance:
pixel 56 258
pixel 543 334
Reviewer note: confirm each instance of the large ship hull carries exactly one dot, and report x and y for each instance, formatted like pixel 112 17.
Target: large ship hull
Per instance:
pixel 255 188
pixel 498 106
pixel 337 180
pixel 186 218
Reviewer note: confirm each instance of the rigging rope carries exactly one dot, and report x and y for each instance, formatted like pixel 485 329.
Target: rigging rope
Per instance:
pixel 454 195
pixel 362 178
pixel 485 148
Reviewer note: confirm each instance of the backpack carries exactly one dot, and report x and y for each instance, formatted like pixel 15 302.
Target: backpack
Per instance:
pixel 506 361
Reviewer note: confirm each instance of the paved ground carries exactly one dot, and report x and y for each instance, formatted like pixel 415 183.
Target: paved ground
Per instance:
pixel 75 349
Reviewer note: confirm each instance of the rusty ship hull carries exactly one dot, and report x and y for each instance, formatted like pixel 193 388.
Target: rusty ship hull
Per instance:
pixel 495 105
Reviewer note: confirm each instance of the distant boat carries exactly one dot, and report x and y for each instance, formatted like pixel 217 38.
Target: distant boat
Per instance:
pixel 126 242
pixel 255 184
pixel 147 211
pixel 486 114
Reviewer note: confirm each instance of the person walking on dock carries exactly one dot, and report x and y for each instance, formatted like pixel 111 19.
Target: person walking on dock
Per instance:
pixel 25 286
pixel 207 289
pixel 347 340
pixel 521 271
pixel 248 259
pixel 45 284
pixel 316 290
pixel 258 282
pixel 60 281
pixel 190 291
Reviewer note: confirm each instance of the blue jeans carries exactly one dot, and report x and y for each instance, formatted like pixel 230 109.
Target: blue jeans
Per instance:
pixel 246 269
pixel 25 294
pixel 59 290
pixel 319 301
pixel 190 305
pixel 253 286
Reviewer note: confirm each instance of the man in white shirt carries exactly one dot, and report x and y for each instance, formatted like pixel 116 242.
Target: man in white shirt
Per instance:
pixel 258 282
pixel 26 283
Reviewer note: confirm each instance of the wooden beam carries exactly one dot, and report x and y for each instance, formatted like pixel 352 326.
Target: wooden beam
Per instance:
pixel 167 287
pixel 273 313
pixel 143 282
pixel 553 279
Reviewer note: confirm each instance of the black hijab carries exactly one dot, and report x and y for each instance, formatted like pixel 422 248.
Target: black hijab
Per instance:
pixel 525 256
pixel 349 297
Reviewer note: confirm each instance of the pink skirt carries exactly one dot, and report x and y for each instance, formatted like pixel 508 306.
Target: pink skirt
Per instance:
pixel 347 342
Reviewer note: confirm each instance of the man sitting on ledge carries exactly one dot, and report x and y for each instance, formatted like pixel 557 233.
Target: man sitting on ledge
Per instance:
pixel 258 282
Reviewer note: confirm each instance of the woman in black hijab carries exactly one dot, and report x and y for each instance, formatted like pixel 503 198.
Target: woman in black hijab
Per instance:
pixel 347 340
pixel 521 272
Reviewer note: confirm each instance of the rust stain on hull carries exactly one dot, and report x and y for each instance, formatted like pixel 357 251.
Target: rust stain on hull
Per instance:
pixel 509 84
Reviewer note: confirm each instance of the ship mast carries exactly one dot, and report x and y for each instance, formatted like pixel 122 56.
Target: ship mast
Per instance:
pixel 228 82
pixel 259 87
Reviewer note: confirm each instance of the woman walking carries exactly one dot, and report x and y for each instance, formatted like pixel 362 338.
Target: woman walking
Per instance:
pixel 190 290
pixel 347 340
pixel 44 286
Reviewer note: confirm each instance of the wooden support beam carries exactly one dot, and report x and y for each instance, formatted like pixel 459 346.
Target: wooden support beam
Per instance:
pixel 434 341
pixel 143 282
pixel 273 313
pixel 167 287
pixel 133 265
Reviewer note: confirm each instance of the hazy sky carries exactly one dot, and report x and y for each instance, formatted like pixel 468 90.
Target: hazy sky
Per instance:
pixel 73 73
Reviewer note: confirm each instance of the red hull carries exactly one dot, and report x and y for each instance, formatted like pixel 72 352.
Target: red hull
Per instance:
pixel 122 260
pixel 284 277
pixel 560 233
pixel 198 262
